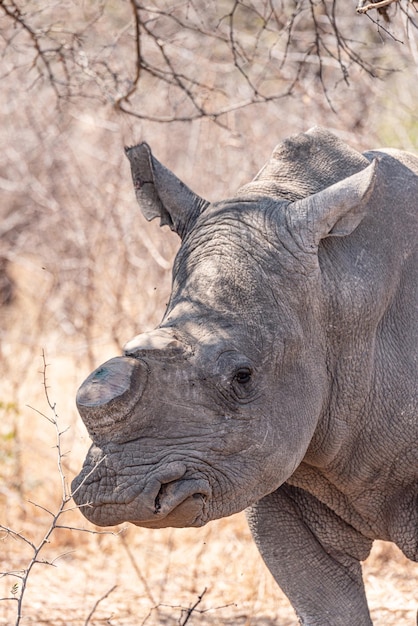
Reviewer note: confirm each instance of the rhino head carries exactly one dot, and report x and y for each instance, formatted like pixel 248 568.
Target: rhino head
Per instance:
pixel 217 407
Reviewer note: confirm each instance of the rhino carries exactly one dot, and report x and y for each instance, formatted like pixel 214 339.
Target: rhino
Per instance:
pixel 282 378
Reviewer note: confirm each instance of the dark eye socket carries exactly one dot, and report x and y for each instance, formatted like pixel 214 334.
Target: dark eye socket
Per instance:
pixel 243 375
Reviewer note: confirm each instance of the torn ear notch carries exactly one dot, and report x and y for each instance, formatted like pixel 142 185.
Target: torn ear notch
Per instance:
pixel 160 193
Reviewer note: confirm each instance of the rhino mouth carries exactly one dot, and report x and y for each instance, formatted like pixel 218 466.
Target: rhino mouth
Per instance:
pixel 179 503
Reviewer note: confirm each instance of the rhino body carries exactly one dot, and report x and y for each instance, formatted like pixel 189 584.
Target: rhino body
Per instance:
pixel 283 376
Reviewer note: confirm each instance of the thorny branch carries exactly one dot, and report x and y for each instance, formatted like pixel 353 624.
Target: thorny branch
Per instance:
pixel 210 62
pixel 19 589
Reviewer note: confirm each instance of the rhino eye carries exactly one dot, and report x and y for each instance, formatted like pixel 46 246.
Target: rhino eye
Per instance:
pixel 243 375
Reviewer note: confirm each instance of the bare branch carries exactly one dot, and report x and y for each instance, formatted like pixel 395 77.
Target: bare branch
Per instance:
pixel 39 506
pixel 16 16
pixel 192 608
pixel 170 50
pixel 138 57
pixel 89 530
pixel 55 516
pixel 96 604
pixel 377 4
pixel 17 535
pixel 136 568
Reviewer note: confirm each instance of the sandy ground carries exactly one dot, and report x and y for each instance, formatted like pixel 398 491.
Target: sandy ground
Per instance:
pixel 155 577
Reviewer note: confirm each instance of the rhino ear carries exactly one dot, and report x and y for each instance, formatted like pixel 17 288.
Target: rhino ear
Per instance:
pixel 335 211
pixel 160 193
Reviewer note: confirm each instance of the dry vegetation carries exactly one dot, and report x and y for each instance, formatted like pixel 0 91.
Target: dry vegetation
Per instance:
pixel 81 272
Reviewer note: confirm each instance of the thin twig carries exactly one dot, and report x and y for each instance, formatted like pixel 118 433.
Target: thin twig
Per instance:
pixel 192 608
pixel 136 568
pixel 88 530
pixel 363 8
pixel 203 37
pixel 17 535
pixel 96 604
pixel 138 57
pixel 18 18
pixel 19 589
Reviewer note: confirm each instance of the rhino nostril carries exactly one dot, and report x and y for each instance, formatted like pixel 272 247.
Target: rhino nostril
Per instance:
pixel 174 493
pixel 157 507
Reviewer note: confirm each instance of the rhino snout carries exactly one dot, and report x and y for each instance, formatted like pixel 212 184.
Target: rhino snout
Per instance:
pixel 170 497
pixel 110 393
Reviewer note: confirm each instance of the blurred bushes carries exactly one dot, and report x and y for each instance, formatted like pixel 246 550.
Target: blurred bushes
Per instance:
pixel 80 269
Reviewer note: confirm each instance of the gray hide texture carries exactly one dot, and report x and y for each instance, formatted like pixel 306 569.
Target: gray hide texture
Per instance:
pixel 283 376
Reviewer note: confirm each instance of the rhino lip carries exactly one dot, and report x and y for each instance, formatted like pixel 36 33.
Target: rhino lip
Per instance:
pixel 174 494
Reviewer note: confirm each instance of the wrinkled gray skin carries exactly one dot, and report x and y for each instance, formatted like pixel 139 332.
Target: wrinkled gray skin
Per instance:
pixel 283 376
